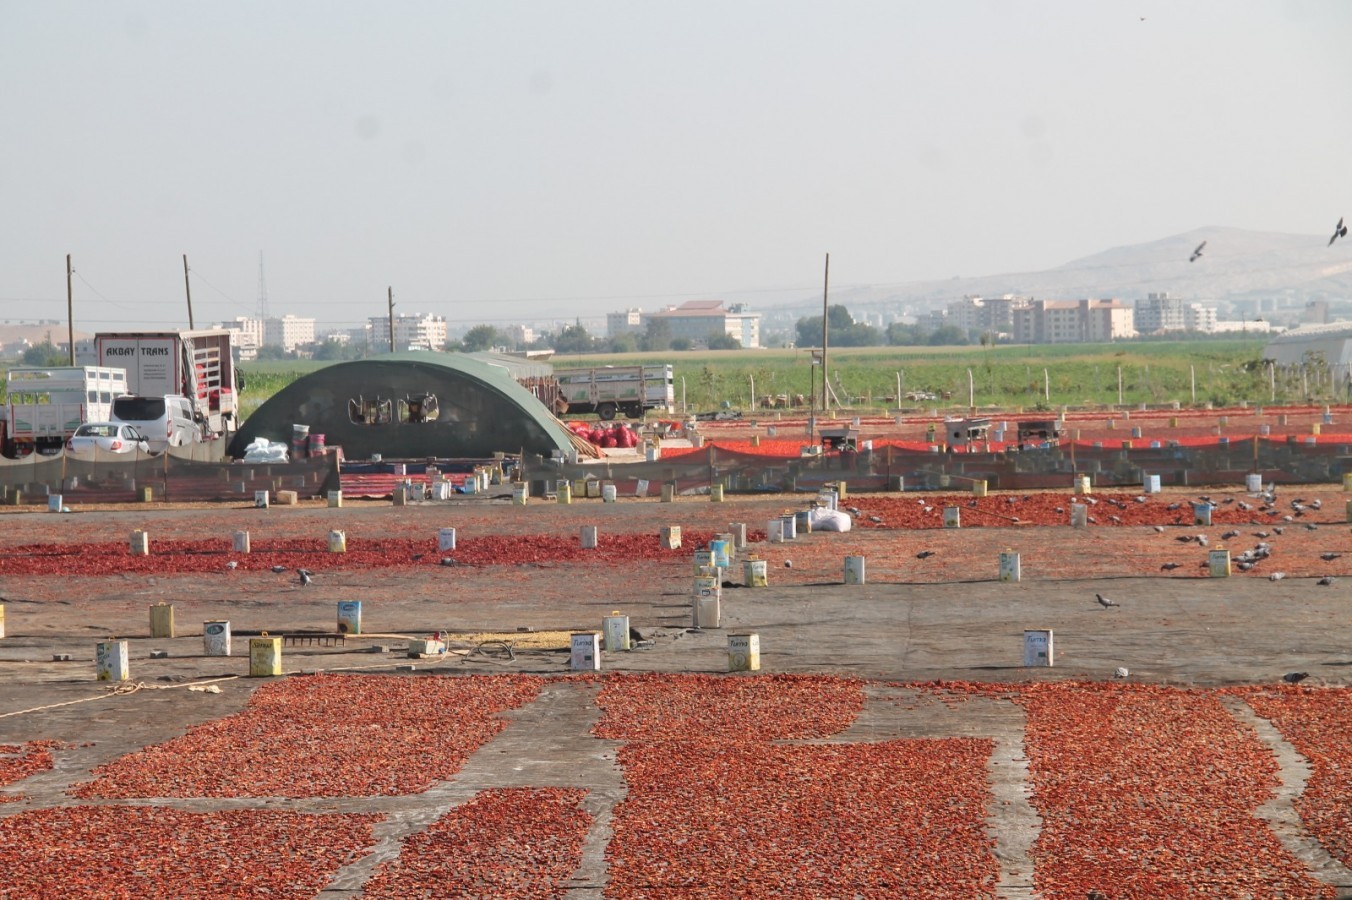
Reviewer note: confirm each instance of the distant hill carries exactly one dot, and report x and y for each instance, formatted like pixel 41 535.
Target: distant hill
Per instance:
pixel 1236 266
pixel 12 336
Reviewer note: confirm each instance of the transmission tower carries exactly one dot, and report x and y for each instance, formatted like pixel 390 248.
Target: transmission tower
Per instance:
pixel 262 290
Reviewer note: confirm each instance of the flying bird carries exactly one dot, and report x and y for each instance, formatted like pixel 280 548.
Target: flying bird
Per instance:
pixel 1104 601
pixel 305 578
pixel 1197 253
pixel 1295 677
pixel 1339 230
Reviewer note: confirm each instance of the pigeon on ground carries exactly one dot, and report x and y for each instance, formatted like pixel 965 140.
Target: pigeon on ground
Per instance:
pixel 305 578
pixel 1104 601
pixel 1196 254
pixel 448 561
pixel 853 510
pixel 1168 567
pixel 417 556
pixel 1295 677
pixel 1159 529
pixel 1260 534
pixel 1329 557
pixel 1121 672
pixel 1184 539
pixel 924 554
pixel 876 520
pixel 232 565
pixel 1229 534
pixel 1278 530
pixel 1276 576
pixel 1310 526
pixel 1316 503
pixel 1339 230
pixel 1325 581
pixel 277 570
pixel 1201 539
pixel 788 564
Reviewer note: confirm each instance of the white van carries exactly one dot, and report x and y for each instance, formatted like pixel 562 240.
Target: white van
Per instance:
pixel 164 421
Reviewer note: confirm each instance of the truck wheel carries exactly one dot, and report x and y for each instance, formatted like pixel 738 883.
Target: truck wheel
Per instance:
pixel 634 412
pixel 606 411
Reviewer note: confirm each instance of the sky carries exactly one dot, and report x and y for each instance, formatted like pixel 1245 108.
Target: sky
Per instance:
pixel 517 160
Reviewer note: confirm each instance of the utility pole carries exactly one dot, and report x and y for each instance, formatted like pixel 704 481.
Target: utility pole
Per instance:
pixel 826 284
pixel 70 312
pixel 187 287
pixel 391 296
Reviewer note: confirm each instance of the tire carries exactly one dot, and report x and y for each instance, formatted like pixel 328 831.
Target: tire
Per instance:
pixel 606 411
pixel 634 412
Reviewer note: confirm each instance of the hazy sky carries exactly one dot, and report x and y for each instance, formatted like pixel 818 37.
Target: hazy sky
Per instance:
pixel 502 160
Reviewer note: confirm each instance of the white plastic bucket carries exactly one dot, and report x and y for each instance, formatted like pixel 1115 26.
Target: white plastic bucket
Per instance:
pixel 445 540
pixel 216 638
pixel 854 570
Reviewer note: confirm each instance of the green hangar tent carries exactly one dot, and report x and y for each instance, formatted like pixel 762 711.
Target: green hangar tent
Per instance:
pixel 411 405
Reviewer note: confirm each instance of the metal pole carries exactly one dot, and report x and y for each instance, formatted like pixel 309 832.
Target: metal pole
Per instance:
pixel 1119 385
pixel 1272 378
pixel 971 391
pixel 187 287
pixel 390 293
pixel 70 315
pixel 753 391
pixel 1192 371
pixel 1046 386
pixel 826 283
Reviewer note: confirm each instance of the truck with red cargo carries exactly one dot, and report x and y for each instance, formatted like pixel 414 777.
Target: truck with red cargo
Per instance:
pixel 198 365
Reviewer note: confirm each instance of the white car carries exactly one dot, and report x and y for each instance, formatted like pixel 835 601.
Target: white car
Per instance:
pixel 100 438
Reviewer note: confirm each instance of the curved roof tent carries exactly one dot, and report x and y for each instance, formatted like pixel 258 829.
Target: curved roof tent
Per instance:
pixel 410 406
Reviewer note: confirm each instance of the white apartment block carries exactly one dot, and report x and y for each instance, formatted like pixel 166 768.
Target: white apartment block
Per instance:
pixel 519 335
pixel 411 332
pixel 1073 322
pixel 288 332
pixel 629 321
pixel 1159 313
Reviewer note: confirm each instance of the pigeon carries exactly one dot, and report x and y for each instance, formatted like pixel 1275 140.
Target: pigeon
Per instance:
pixel 854 511
pixel 232 565
pixel 1260 534
pixel 1184 539
pixel 1229 534
pixel 1316 503
pixel 1196 254
pixel 788 564
pixel 1168 567
pixel 1310 526
pixel 305 578
pixel 1276 576
pixel 1104 601
pixel 1201 539
pixel 1278 530
pixel 876 520
pixel 1159 529
pixel 1325 581
pixel 1339 230
pixel 448 560
pixel 924 554
pixel 417 556
pixel 1295 677
pixel 277 570
pixel 1329 557
pixel 1121 672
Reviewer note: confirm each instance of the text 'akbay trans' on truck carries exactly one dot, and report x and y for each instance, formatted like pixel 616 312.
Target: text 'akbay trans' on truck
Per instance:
pixel 606 390
pixel 44 405
pixel 194 364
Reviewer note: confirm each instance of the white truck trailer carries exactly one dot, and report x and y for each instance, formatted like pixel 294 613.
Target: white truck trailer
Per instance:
pixel 44 405
pixel 193 364
pixel 606 390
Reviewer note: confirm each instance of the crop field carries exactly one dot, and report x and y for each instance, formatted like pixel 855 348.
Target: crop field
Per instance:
pixel 1193 373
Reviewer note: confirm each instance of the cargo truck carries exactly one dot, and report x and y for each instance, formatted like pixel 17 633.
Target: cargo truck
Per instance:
pixel 44 405
pixel 197 365
pixel 606 390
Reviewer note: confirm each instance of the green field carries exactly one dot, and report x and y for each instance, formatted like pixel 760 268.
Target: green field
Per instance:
pixel 1219 372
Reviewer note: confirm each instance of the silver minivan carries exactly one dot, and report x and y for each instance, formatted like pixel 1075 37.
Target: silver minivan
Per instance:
pixel 164 420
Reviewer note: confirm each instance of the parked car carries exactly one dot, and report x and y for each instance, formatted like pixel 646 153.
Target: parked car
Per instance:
pixel 106 437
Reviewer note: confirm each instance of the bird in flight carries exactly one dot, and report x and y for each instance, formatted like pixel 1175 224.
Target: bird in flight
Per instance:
pixel 1339 230
pixel 1197 253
